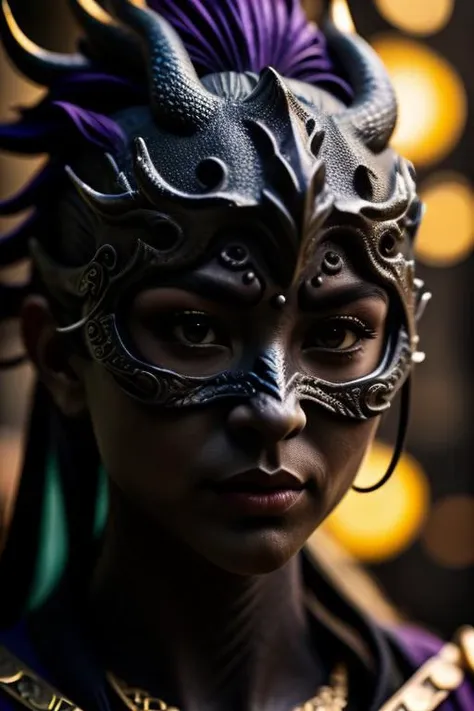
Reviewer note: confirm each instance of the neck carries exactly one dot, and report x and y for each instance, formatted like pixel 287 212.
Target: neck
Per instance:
pixel 195 635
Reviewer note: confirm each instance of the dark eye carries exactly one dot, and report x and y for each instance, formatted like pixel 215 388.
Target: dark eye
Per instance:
pixel 338 335
pixel 195 329
pixel 190 328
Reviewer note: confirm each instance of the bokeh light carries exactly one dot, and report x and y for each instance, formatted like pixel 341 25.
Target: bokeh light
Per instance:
pixel 448 537
pixel 11 443
pixel 380 525
pixel 446 235
pixel 341 16
pixel 419 17
pixel 431 96
pixel 14 170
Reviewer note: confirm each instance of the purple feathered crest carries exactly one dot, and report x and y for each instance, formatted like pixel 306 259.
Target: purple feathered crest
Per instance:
pixel 249 35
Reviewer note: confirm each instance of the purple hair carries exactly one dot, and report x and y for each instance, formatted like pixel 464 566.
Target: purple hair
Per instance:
pixel 249 35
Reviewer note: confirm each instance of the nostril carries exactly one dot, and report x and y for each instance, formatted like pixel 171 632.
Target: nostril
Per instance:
pixel 292 434
pixel 248 438
pixel 264 420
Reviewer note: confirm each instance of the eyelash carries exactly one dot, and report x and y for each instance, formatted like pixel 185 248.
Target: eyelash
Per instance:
pixel 362 330
pixel 164 325
pixel 163 328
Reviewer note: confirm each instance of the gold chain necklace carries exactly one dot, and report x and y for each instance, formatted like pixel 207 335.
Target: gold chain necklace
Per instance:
pixel 332 697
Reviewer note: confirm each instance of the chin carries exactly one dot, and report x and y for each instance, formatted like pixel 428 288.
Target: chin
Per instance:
pixel 253 550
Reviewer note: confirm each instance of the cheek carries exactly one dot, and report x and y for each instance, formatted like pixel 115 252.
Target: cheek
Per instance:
pixel 342 446
pixel 146 452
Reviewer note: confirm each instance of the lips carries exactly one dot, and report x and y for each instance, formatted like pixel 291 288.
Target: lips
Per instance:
pixel 259 493
pixel 258 480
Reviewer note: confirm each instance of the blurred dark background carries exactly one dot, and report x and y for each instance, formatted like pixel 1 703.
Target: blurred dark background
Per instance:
pixel 417 534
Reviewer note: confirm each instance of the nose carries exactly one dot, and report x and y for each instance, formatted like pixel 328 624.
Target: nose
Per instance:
pixel 268 419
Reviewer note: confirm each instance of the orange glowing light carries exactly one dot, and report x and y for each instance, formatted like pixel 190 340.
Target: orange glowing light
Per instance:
pixel 431 96
pixel 419 17
pixel 380 525
pixel 446 235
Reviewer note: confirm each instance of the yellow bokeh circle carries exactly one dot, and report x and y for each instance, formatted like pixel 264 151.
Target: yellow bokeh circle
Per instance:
pixel 446 235
pixel 431 97
pixel 377 526
pixel 419 17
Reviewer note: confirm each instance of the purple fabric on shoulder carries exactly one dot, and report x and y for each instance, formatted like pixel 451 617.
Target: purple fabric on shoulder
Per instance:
pixel 418 646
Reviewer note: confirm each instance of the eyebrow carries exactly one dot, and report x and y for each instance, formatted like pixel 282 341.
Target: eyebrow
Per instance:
pixel 209 289
pixel 226 294
pixel 344 295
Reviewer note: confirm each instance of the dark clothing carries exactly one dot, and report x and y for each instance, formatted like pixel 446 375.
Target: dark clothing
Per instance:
pixel 54 643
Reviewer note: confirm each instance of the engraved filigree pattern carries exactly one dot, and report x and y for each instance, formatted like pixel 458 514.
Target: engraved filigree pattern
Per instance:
pixel 388 220
pixel 155 385
pixel 426 690
pixel 103 282
pixel 432 683
pixel 360 399
pixel 357 400
pixel 308 210
pixel 29 689
pixel 333 697
pixel 329 698
pixel 137 699
pixel 94 279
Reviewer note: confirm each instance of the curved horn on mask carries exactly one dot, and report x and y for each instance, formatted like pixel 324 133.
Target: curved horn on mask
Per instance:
pixel 108 206
pixel 178 98
pixel 39 65
pixel 106 33
pixel 91 15
pixel 373 112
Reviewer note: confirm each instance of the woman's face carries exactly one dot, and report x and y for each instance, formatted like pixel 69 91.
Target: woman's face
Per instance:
pixel 242 482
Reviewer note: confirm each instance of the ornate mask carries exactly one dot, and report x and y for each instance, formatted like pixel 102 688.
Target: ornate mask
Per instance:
pixel 232 166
